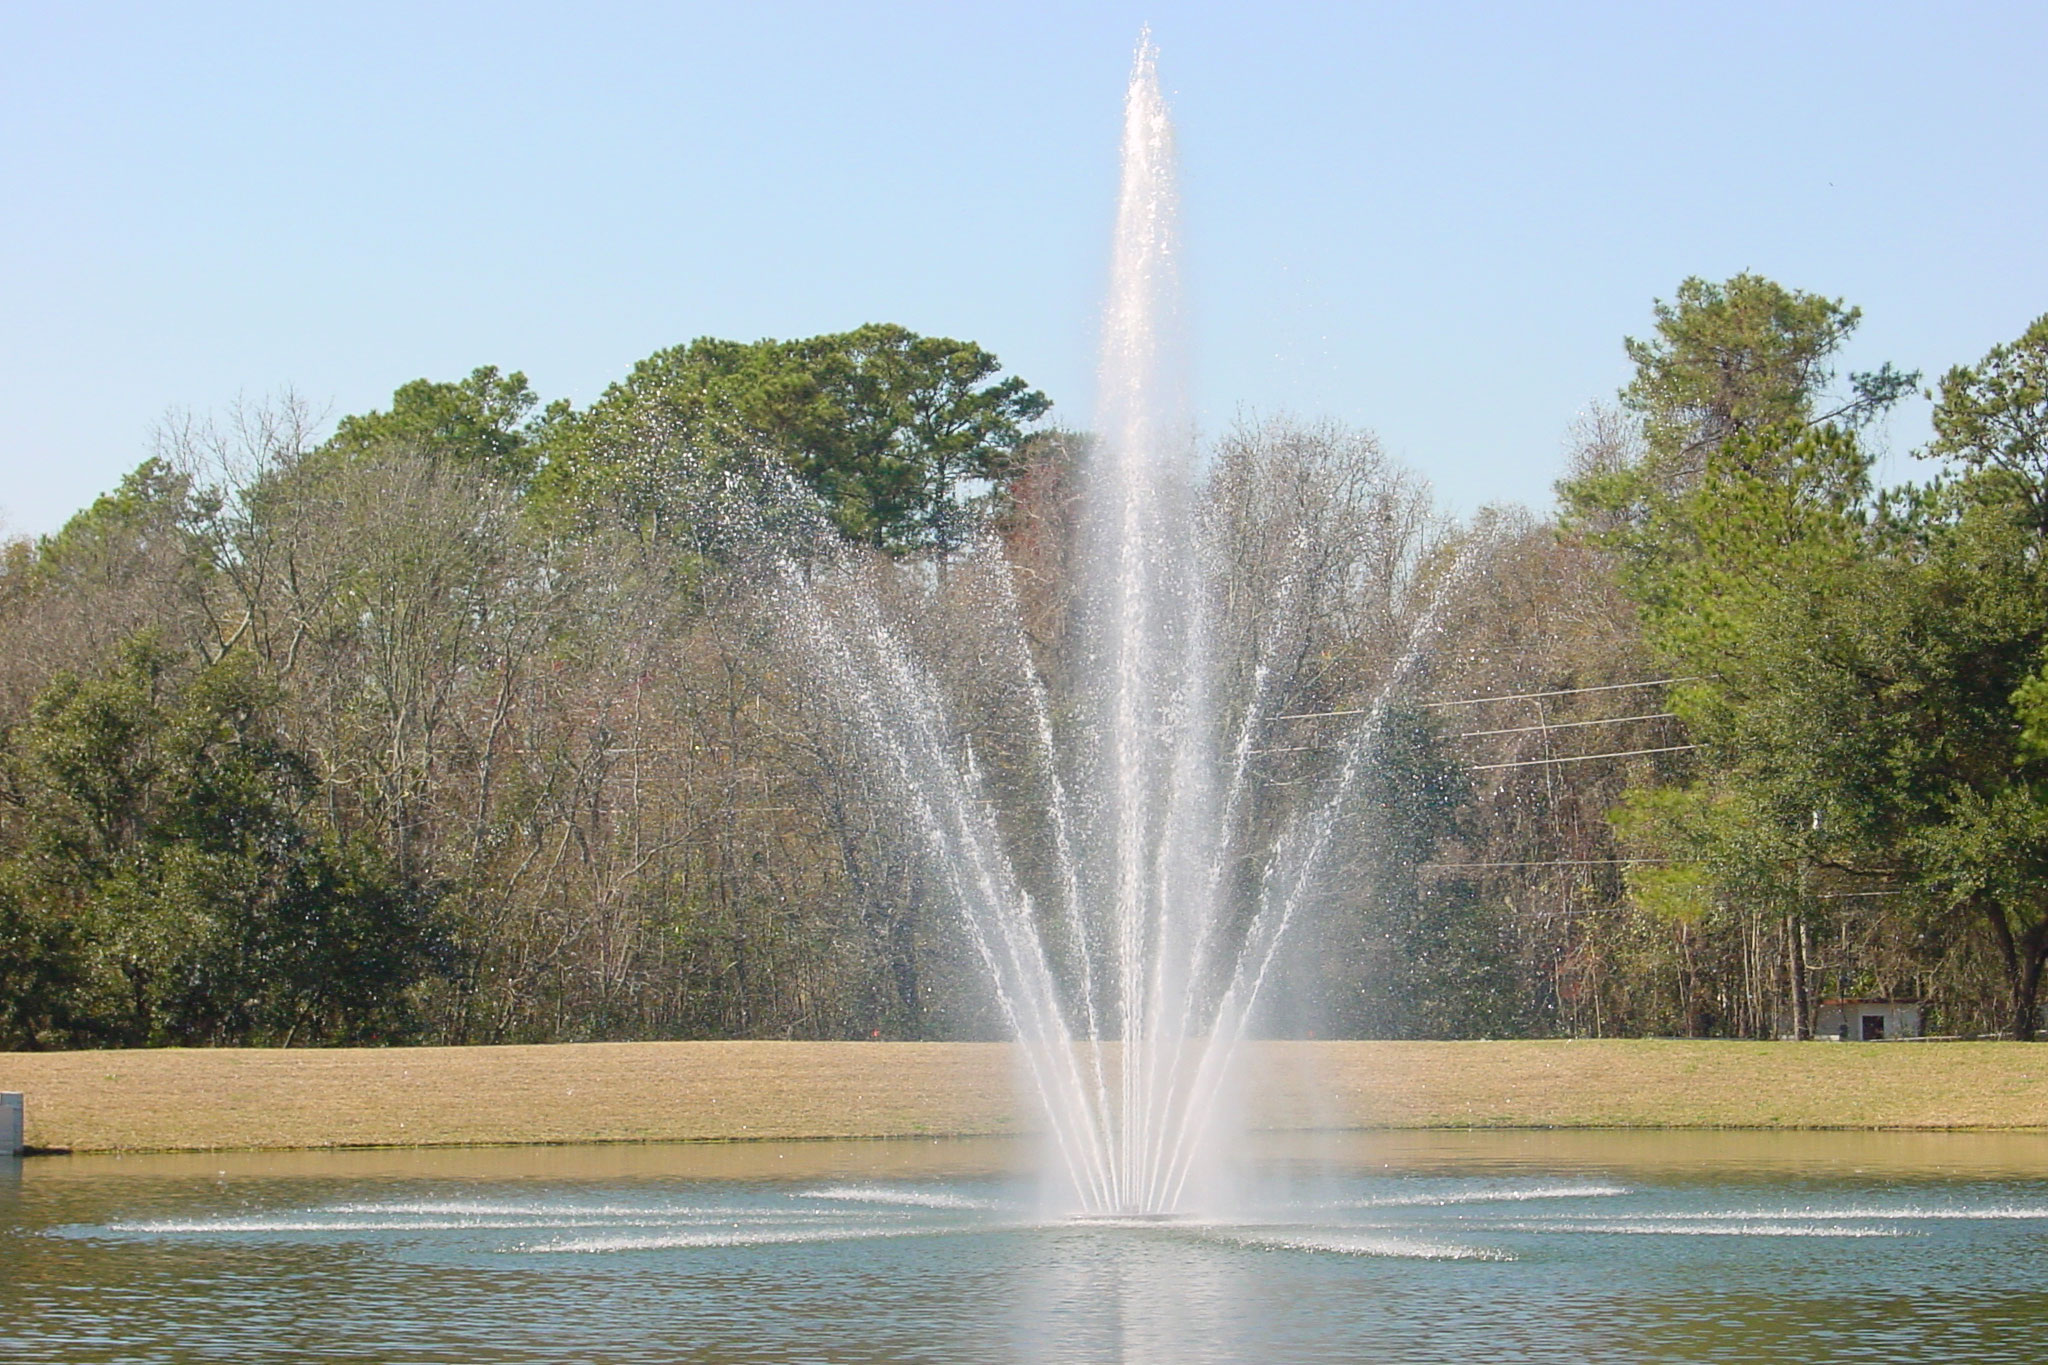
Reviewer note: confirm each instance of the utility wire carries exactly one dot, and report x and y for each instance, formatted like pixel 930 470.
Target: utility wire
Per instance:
pixel 1515 696
pixel 1582 758
pixel 1523 730
pixel 1566 725
pixel 1562 692
pixel 1554 862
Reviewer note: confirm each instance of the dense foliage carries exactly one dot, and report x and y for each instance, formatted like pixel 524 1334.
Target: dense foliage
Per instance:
pixel 465 723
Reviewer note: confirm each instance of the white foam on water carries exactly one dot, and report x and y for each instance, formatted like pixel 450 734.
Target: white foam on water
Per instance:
pixel 1143 1222
pixel 1662 1226
pixel 565 1209
pixel 460 1218
pixel 898 1196
pixel 1359 1244
pixel 739 1237
pixel 289 1224
pixel 2003 1213
pixel 1491 1196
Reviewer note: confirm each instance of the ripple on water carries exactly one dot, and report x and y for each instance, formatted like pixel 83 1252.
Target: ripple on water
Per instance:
pixel 905 1197
pixel 1428 1268
pixel 1487 1195
pixel 736 1237
pixel 1358 1244
pixel 1678 1227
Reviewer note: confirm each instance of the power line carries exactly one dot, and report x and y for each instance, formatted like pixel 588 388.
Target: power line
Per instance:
pixel 1477 701
pixel 1518 730
pixel 1582 758
pixel 1567 725
pixel 1562 692
pixel 1621 862
pixel 1553 862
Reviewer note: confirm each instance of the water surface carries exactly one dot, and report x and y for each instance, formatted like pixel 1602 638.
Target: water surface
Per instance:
pixel 1389 1247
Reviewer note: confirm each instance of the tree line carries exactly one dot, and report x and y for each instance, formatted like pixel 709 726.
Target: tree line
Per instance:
pixel 466 722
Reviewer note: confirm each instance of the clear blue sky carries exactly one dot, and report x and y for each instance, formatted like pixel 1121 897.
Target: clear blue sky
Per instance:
pixel 1434 220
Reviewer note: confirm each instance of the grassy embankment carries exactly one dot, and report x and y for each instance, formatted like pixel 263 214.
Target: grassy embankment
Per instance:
pixel 645 1092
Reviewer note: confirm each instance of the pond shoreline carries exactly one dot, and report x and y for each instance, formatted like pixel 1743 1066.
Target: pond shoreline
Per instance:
pixel 275 1099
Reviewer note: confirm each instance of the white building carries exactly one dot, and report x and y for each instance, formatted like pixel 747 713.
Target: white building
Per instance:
pixel 1867 1021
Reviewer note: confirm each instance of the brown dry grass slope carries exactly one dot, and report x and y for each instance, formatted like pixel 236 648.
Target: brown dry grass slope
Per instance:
pixel 646 1092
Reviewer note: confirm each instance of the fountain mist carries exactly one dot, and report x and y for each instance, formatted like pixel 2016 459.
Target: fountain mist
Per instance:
pixel 1131 989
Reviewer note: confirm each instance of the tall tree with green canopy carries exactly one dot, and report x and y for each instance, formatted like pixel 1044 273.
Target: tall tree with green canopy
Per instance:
pixel 931 421
pixel 1852 658
pixel 1995 417
pixel 1738 522
pixel 1864 667
pixel 485 421
pixel 1992 418
pixel 1985 546
pixel 1740 598
pixel 897 433
pixel 1727 360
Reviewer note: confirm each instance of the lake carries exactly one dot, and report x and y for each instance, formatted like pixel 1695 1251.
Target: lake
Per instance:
pixel 1460 1246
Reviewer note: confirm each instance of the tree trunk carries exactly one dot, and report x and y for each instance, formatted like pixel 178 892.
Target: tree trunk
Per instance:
pixel 1795 954
pixel 1803 986
pixel 2023 955
pixel 2026 986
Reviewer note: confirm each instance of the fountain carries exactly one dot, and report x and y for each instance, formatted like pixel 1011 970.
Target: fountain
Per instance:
pixel 1128 916
pixel 1131 979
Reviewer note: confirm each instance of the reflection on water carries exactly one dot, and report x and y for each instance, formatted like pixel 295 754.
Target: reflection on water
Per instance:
pixel 1403 1247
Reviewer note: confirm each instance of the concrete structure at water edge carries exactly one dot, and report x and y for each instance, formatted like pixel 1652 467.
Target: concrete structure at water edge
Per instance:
pixel 10 1123
pixel 1868 1021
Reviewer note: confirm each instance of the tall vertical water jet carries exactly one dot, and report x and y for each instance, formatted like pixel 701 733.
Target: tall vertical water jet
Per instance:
pixel 1146 628
pixel 1132 979
pixel 1146 649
